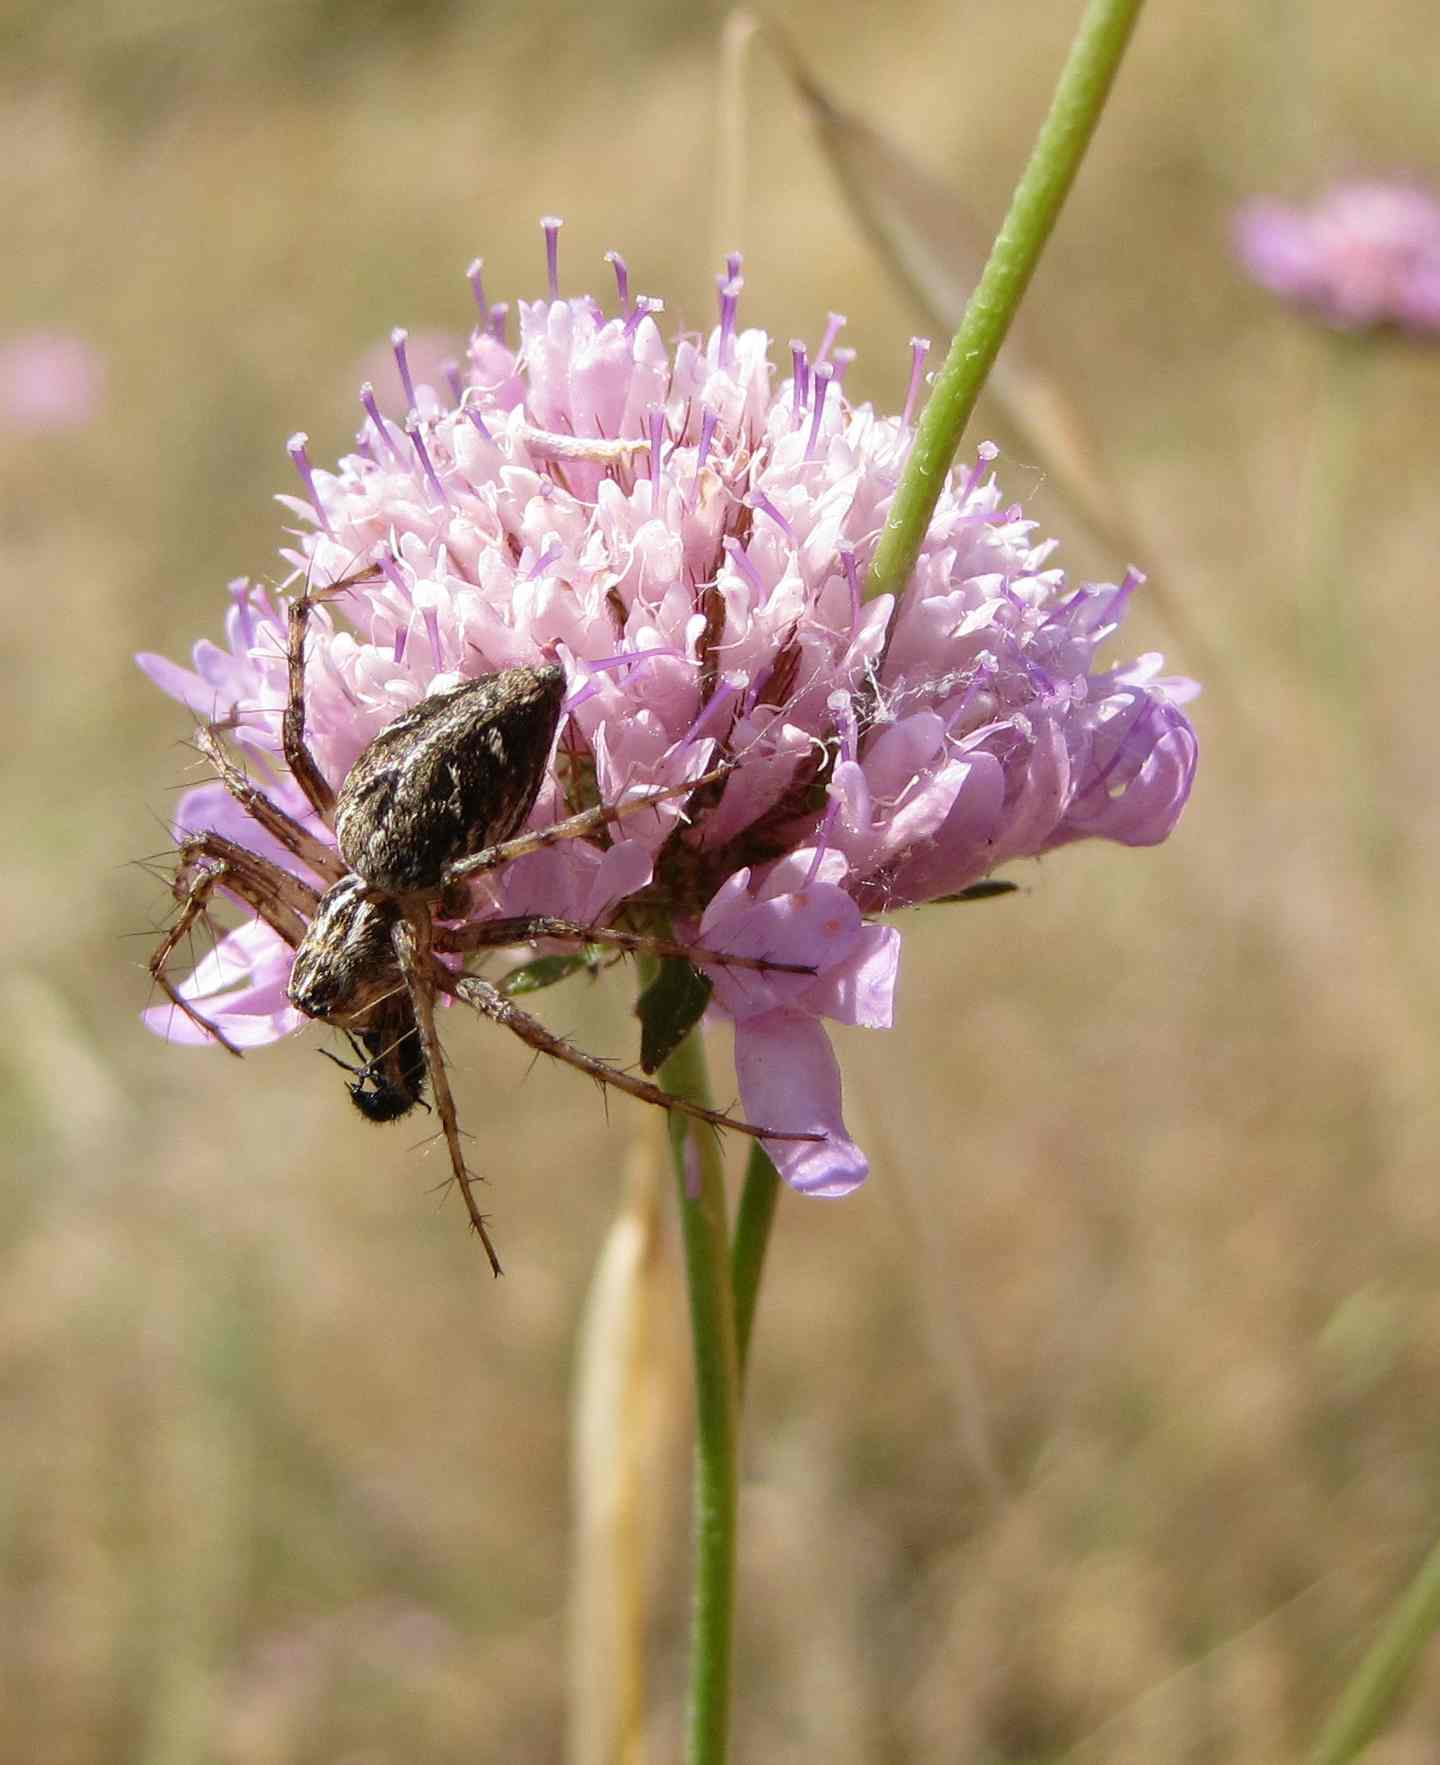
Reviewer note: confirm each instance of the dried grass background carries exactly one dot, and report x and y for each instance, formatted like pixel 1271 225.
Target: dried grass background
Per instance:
pixel 1154 1211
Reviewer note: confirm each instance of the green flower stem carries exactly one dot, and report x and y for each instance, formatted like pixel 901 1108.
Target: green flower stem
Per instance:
pixel 1381 1678
pixel 1075 109
pixel 752 1235
pixel 699 1175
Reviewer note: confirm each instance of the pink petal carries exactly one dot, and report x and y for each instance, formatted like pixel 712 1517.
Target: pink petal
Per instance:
pixel 790 1079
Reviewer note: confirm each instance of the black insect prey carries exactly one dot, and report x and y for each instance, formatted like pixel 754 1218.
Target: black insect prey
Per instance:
pixel 436 799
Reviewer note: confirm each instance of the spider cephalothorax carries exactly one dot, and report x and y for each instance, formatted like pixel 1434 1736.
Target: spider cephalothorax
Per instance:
pixel 434 801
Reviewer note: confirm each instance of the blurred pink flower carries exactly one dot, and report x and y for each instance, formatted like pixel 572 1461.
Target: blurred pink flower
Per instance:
pixel 690 539
pixel 48 380
pixel 1364 256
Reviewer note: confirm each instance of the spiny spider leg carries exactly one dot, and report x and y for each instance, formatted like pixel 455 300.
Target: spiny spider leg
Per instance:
pixel 281 900
pixel 298 757
pixel 491 1003
pixel 526 929
pixel 573 827
pixel 411 938
pixel 324 860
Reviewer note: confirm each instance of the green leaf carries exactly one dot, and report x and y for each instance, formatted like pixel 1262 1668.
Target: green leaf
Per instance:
pixel 545 971
pixel 669 1009
pixel 981 891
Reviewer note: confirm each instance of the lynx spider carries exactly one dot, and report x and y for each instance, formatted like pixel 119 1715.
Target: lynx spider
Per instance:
pixel 367 949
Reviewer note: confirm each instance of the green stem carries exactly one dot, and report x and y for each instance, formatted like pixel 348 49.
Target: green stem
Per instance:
pixel 1383 1675
pixel 1074 111
pixel 752 1235
pixel 699 1176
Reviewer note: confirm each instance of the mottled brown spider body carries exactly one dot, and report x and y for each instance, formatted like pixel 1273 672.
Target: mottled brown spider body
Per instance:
pixel 460 771
pixel 435 799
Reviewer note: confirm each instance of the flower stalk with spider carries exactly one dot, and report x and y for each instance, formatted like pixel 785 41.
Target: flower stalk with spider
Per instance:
pixel 671 545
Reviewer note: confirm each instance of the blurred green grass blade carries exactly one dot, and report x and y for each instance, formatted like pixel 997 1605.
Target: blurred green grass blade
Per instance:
pixel 1382 1678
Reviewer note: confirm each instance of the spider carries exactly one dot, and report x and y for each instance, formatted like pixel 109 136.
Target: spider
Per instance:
pixel 435 800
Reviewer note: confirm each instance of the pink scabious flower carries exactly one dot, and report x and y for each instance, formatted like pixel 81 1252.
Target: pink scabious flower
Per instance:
pixel 48 380
pixel 689 533
pixel 1364 256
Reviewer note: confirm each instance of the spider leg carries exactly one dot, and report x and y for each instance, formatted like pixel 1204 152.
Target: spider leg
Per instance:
pixel 298 757
pixel 491 1003
pixel 411 938
pixel 322 859
pixel 572 828
pixel 209 861
pixel 526 929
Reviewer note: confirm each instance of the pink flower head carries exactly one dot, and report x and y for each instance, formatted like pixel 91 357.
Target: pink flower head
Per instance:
pixel 689 535
pixel 48 380
pixel 1364 256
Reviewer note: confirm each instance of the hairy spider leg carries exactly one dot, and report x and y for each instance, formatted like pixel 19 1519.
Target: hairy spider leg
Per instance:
pixel 528 928
pixel 324 860
pixel 281 900
pixel 411 938
pixel 491 1003
pixel 298 757
pixel 574 827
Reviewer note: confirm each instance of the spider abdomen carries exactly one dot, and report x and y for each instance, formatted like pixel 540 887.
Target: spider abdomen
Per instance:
pixel 459 772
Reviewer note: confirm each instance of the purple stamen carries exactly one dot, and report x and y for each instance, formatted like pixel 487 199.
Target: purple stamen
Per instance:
pixel 733 261
pixel 729 299
pixel 622 278
pixel 601 664
pixel 382 428
pixel 708 420
pixel 498 315
pixel 852 576
pixel 985 454
pixel 822 839
pixel 477 286
pixel 644 304
pixel 451 371
pixel 719 699
pixel 432 631
pixel 299 454
pixel 801 382
pixel 758 500
pixel 987 668
pixel 582 695
pixel 398 653
pixel 549 557
pixel 413 431
pixel 834 323
pixel 655 420
pixel 824 373
pixel 627 658
pixel 551 225
pixel 474 415
pixel 919 349
pixel 745 565
pixel 842 360
pixel 398 339
pixel 390 570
